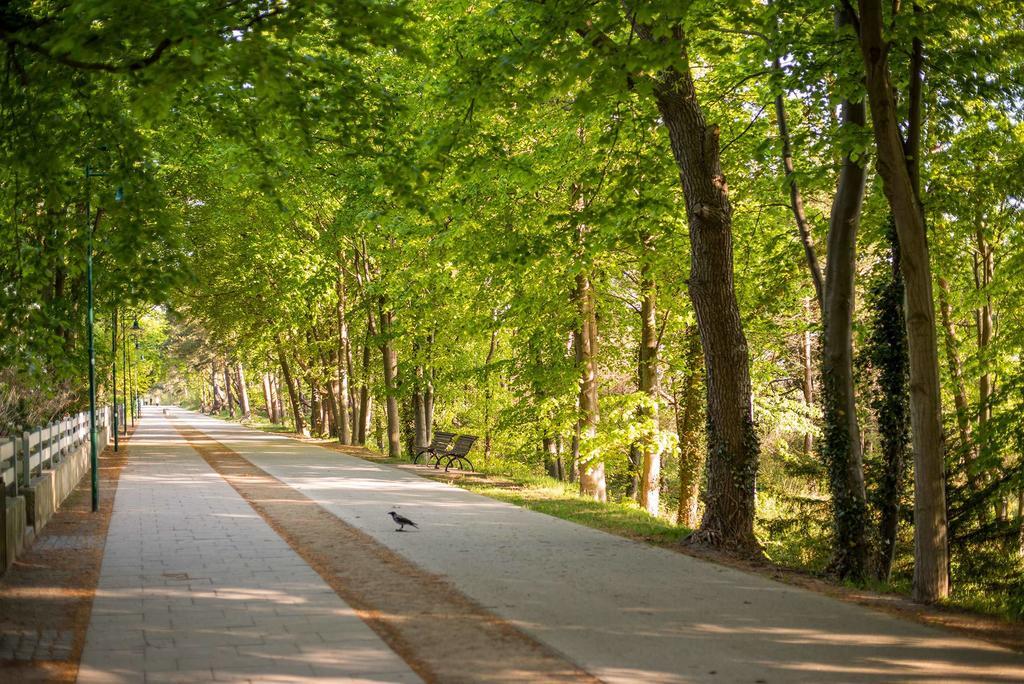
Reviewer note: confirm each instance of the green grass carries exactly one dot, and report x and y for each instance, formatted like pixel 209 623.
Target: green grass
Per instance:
pixel 560 500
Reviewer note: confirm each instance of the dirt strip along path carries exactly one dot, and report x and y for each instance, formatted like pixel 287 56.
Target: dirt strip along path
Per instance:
pixel 442 634
pixel 46 597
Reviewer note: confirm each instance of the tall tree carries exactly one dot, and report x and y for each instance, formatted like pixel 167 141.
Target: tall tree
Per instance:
pixel 898 166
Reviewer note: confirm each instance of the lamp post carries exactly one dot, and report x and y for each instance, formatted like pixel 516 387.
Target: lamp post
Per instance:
pixel 113 354
pixel 90 321
pixel 136 332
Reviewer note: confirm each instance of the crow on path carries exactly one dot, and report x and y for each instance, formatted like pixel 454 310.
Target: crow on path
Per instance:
pixel 401 521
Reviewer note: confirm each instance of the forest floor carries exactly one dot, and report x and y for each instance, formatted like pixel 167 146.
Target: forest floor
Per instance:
pixel 628 521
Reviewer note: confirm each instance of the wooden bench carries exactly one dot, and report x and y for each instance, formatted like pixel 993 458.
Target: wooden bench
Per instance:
pixel 458 453
pixel 438 446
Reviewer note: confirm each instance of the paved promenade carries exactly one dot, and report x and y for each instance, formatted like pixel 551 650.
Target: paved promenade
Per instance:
pixel 195 586
pixel 623 611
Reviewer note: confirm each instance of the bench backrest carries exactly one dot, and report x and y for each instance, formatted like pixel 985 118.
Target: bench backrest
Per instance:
pixel 462 445
pixel 442 440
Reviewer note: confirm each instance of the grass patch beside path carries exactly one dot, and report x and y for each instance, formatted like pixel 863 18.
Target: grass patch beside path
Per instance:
pixel 560 501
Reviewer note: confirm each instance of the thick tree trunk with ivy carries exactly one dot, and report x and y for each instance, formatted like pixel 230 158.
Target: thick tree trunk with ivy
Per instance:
pixel 591 465
pixel 648 381
pixel 841 445
pixel 887 351
pixel 733 448
pixel 931 568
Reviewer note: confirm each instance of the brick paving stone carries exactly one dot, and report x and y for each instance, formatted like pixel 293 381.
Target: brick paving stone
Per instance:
pixel 195 586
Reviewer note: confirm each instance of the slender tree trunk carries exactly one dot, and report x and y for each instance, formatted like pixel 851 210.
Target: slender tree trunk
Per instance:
pixel 796 200
pixel 983 272
pixel 807 358
pixel 275 388
pixel 649 384
pixel 218 399
pixel 956 374
pixel 732 449
pixel 895 166
pixel 688 428
pixel 488 394
pixel 316 426
pixel 343 355
pixel 228 399
pixel 591 465
pixel 268 399
pixel 390 360
pixel 243 392
pixel 418 416
pixel 365 400
pixel 428 405
pixel 293 392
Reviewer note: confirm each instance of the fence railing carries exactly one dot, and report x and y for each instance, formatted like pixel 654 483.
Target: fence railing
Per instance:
pixel 45 447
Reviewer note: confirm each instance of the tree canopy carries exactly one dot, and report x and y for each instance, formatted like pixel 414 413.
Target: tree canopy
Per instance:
pixel 756 266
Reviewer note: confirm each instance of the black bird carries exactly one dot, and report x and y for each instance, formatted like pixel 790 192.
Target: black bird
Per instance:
pixel 401 521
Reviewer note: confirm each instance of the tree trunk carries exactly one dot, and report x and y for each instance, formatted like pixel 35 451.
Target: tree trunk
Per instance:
pixel 268 399
pixel 931 568
pixel 888 346
pixel 390 360
pixel 293 392
pixel 215 391
pixel 591 464
pixel 648 382
pixel 418 416
pixel 841 447
pixel 732 449
pixel 275 388
pixel 243 392
pixel 550 452
pixel 488 394
pixel 343 355
pixel 688 428
pixel 956 374
pixel 316 426
pixel 807 359
pixel 983 272
pixel 365 400
pixel 796 200
pixel 229 400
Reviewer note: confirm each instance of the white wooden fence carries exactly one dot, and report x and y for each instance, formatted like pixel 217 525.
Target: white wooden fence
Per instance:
pixel 45 447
